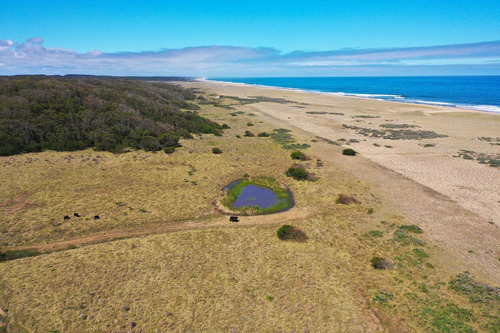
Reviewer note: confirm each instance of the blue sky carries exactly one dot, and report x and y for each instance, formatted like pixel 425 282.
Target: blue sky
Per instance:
pixel 250 38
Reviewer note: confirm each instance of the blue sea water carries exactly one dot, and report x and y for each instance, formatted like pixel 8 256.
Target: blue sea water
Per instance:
pixel 470 92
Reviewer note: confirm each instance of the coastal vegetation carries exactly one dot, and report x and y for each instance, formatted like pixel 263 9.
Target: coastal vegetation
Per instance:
pixel 290 233
pixel 73 113
pixel 283 137
pixel 298 155
pixel 297 173
pixel 349 152
pixel 388 132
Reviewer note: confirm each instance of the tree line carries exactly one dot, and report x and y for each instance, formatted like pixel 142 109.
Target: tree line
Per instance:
pixel 112 114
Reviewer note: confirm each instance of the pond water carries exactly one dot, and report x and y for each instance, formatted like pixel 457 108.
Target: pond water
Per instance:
pixel 252 195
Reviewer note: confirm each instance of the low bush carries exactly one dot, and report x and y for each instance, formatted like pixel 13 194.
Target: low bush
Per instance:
pixel 477 292
pixel 413 228
pixel 249 134
pixel 297 173
pixel 263 134
pixel 345 199
pixel 349 152
pixel 249 124
pixel 298 155
pixel 381 263
pixel 289 232
pixel 216 151
pixel 169 150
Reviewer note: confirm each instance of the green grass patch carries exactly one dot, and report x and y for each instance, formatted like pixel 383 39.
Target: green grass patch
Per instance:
pixel 450 318
pixel 374 234
pixel 383 298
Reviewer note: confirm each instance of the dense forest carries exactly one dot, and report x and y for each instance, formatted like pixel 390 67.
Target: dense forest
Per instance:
pixel 113 114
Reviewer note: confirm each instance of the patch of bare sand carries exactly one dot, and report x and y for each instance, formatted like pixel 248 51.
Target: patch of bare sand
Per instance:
pixel 456 200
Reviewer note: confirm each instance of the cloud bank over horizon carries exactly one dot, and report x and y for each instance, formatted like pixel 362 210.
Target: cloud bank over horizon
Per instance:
pixel 32 57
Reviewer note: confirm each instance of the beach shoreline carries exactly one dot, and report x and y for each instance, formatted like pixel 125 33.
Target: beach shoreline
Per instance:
pixel 457 106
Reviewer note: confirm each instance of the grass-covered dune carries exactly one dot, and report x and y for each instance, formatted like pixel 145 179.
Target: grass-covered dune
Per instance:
pixel 72 113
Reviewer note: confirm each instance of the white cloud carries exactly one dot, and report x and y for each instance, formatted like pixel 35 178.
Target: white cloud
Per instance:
pixel 33 57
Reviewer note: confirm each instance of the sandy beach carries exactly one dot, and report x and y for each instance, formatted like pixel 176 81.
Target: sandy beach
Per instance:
pixel 434 176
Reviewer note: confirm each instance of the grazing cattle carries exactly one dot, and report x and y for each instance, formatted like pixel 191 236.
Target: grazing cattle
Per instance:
pixel 234 219
pixel 66 217
pixel 76 215
pixel 96 217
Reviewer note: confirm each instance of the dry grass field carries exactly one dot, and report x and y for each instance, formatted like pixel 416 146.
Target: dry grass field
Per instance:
pixel 212 275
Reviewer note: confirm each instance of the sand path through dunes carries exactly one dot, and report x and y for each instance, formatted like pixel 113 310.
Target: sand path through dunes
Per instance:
pixel 457 201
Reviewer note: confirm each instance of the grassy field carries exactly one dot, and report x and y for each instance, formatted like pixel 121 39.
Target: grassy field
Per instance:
pixel 128 190
pixel 227 277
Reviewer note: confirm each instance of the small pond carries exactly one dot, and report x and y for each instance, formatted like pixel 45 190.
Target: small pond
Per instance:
pixel 252 195
pixel 249 195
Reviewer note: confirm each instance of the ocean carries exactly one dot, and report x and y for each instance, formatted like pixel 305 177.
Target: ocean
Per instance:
pixel 470 92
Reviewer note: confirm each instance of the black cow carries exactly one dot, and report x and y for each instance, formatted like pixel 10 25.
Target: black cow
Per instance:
pixel 66 217
pixel 234 219
pixel 96 217
pixel 76 215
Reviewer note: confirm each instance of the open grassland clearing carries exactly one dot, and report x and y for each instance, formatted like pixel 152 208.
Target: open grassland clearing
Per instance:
pixel 246 279
pixel 125 190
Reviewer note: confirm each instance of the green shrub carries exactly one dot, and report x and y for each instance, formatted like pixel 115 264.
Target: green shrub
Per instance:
pixel 413 228
pixel 477 292
pixel 297 173
pixel 349 152
pixel 169 150
pixel 345 199
pixel 249 124
pixel 370 211
pixel 216 151
pixel 298 155
pixel 288 232
pixel 263 134
pixel 284 231
pixel 249 134
pixel 225 126
pixel 381 263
